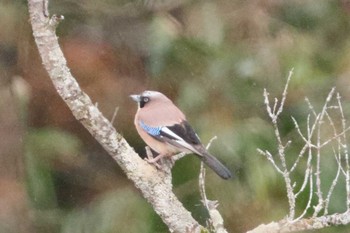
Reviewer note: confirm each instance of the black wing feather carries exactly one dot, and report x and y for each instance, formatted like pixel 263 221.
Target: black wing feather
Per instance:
pixel 185 131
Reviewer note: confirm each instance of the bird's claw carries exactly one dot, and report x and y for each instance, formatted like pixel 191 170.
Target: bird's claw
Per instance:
pixel 151 159
pixel 153 162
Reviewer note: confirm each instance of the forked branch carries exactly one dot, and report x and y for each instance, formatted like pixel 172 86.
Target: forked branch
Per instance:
pixel 315 140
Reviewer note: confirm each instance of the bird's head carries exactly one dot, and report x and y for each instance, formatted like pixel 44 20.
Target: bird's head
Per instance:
pixel 148 98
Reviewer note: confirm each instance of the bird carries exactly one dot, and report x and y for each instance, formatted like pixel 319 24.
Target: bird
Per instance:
pixel 164 128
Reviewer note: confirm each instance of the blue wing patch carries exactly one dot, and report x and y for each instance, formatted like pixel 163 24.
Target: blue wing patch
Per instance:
pixel 154 131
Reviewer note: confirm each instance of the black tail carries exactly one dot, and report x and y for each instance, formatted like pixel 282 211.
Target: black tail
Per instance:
pixel 216 165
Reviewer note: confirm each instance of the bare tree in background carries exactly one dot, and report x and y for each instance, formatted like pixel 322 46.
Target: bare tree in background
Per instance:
pixel 315 141
pixel 156 185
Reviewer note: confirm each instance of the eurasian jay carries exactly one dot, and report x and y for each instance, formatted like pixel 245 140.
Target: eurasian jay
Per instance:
pixel 165 129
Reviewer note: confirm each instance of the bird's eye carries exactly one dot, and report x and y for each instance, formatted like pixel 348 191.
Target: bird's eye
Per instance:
pixel 143 101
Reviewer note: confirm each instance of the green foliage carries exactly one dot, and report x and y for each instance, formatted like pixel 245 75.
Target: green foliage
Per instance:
pixel 42 148
pixel 119 211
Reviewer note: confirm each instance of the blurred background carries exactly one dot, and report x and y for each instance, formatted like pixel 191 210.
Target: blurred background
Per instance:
pixel 213 58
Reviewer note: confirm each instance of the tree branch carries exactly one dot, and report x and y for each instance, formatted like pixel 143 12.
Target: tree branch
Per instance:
pixel 285 226
pixel 154 184
pixel 312 180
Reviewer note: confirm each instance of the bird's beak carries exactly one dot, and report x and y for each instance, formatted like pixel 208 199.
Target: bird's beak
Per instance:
pixel 136 98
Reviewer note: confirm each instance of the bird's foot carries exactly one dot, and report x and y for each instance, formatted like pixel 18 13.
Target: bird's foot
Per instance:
pixel 153 160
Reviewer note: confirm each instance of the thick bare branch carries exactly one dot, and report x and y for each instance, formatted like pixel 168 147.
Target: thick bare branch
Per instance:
pixel 285 226
pixel 154 184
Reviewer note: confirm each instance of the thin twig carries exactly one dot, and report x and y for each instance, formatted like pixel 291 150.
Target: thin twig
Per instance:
pixel 281 148
pixel 346 153
pixel 334 137
pixel 311 107
pixel 216 221
pixel 308 143
pixel 202 178
pixel 315 127
pixel 267 104
pixel 308 173
pixel 306 140
pixel 201 181
pixel 301 154
pixel 334 183
pixel 114 114
pixel 308 205
pixel 269 157
pixel 284 94
pixel 319 193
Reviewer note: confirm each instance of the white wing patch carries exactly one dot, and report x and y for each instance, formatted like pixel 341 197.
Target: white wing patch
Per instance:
pixel 178 139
